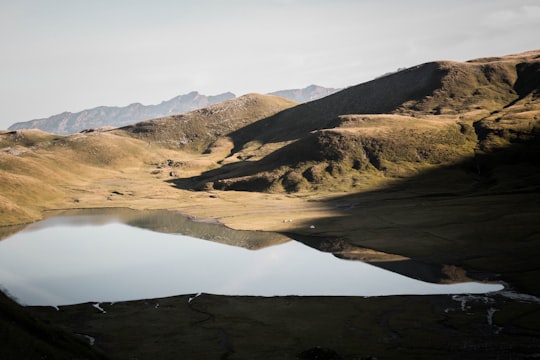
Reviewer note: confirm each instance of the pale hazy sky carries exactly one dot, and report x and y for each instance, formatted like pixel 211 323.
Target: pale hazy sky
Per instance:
pixel 71 55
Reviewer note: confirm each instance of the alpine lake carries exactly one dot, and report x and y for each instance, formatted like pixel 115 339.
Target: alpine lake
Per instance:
pixel 112 255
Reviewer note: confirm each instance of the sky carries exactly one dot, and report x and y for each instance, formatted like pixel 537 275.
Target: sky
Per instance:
pixel 71 55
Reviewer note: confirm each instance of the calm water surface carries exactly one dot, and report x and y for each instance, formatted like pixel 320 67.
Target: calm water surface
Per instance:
pixel 74 259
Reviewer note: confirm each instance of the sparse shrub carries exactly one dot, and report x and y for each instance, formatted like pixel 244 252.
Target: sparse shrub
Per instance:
pixel 315 174
pixel 293 181
pixel 357 164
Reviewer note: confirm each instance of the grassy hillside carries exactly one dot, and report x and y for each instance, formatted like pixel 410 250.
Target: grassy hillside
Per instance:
pixel 41 171
pixel 362 138
pixel 359 153
pixel 197 130
pixel 390 128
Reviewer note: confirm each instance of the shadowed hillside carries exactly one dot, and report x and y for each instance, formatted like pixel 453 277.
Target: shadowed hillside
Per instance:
pixel 26 337
pixel 483 221
pixel 392 127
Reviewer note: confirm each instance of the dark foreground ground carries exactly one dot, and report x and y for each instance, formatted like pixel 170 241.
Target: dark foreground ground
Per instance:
pixel 221 327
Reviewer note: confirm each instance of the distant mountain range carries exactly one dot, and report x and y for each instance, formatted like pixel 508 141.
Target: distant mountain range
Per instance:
pixel 114 116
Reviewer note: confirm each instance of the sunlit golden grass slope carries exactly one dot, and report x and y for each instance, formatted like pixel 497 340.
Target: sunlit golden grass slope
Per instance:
pixel 40 171
pixel 207 128
pixel 37 170
pixel 362 138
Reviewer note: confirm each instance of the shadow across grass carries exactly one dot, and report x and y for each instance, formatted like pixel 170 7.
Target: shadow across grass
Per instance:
pixel 481 214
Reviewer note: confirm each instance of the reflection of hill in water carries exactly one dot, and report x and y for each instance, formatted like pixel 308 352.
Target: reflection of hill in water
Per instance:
pixel 480 215
pixel 172 222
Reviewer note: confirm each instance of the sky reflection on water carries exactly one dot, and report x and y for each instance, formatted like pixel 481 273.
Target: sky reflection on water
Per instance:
pixel 60 262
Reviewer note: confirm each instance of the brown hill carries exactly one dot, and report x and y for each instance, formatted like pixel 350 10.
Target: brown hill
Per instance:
pixel 39 171
pixel 430 115
pixel 197 130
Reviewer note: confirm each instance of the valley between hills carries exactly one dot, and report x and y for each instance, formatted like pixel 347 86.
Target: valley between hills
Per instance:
pixel 431 172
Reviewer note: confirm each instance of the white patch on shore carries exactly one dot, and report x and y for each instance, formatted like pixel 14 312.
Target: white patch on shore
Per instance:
pixel 91 340
pixel 463 299
pixel 98 306
pixel 519 297
pixel 490 313
pixel 193 298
